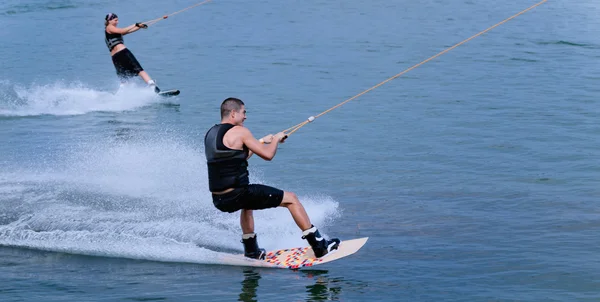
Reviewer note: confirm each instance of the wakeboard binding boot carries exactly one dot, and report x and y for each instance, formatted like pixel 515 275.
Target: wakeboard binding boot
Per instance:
pixel 319 244
pixel 251 249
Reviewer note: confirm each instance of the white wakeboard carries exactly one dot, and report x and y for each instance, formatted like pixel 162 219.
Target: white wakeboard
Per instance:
pixel 298 257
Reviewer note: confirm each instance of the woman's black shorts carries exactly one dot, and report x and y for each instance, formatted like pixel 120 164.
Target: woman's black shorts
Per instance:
pixel 126 64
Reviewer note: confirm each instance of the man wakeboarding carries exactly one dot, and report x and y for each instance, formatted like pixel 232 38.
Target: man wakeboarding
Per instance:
pixel 228 146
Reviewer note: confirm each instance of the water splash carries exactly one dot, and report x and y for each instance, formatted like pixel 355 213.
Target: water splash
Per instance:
pixel 141 200
pixel 70 99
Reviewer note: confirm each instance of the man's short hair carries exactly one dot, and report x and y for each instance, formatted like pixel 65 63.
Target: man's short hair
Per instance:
pixel 230 104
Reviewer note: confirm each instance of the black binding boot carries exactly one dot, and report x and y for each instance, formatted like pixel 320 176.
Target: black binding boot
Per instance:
pixel 320 245
pixel 251 249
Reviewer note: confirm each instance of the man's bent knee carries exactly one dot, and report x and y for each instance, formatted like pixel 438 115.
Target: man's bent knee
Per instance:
pixel 289 198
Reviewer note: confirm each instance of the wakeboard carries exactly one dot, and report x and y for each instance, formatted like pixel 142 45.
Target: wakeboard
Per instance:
pixel 167 93
pixel 298 257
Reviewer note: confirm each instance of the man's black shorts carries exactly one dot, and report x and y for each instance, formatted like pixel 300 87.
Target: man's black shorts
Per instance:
pixel 126 64
pixel 251 197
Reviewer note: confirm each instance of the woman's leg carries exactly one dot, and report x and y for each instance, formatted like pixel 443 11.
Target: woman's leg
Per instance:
pixel 144 75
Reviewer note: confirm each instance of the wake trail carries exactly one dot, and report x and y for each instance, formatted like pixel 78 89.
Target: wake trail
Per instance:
pixel 145 200
pixel 70 99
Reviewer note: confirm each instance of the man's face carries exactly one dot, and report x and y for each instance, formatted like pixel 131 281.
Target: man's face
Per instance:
pixel 239 116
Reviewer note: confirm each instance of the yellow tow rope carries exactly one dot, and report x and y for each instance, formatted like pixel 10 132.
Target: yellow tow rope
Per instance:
pixel 295 128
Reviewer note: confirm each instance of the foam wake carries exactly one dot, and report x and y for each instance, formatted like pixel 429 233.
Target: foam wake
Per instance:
pixel 143 200
pixel 70 99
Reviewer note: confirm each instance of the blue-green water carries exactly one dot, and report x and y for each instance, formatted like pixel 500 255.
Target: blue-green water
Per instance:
pixel 475 175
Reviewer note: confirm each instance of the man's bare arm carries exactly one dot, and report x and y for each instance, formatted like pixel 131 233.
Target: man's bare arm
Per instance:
pixel 265 151
pixel 267 139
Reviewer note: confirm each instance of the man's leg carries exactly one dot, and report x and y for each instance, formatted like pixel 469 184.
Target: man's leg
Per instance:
pixel 291 202
pixel 320 245
pixel 251 249
pixel 247 221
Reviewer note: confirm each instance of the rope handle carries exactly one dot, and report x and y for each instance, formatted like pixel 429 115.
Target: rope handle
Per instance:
pixel 262 141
